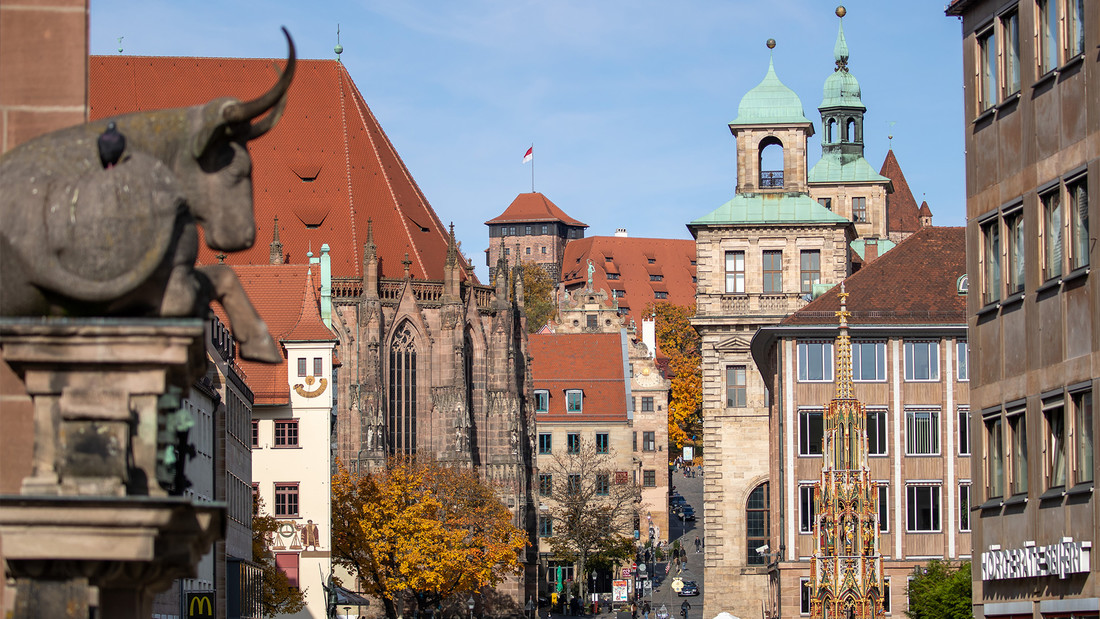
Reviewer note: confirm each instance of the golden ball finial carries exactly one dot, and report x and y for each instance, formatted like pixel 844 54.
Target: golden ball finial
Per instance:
pixel 841 11
pixel 771 43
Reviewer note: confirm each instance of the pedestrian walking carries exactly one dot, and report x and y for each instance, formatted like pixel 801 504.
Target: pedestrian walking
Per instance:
pixel 684 608
pixel 696 544
pixel 645 610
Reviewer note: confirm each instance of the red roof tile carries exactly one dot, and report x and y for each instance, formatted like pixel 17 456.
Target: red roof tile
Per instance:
pixel 269 287
pixel 901 208
pixel 533 207
pixel 324 170
pixel 913 283
pixel 591 362
pixel 310 327
pixel 924 210
pixel 630 259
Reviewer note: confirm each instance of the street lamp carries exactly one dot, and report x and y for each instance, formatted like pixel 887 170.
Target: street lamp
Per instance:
pixel 347 611
pixel 470 606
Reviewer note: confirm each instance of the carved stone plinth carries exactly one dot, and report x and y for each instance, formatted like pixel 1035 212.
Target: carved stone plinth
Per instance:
pixel 95 385
pixel 92 524
pixel 130 548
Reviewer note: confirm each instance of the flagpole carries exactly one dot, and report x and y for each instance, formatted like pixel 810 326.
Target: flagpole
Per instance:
pixel 532 167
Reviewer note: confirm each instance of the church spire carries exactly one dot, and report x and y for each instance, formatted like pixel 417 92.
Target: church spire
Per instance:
pixel 276 246
pixel 840 50
pixel 844 390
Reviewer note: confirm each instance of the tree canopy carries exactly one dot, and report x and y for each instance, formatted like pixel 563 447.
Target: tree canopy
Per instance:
pixel 278 596
pixel 680 342
pixel 591 507
pixel 940 591
pixel 423 531
pixel 538 296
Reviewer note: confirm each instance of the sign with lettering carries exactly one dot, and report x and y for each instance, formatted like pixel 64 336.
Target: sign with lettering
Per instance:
pixel 619 590
pixel 198 604
pixel 1059 559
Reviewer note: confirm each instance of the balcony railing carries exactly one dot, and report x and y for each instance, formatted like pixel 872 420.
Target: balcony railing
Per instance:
pixel 771 178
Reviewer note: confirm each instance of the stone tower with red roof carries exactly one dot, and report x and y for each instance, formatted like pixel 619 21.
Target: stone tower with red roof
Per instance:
pixel 534 227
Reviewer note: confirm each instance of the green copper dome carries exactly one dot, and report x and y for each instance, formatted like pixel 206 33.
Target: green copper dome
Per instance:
pixel 770 102
pixel 841 88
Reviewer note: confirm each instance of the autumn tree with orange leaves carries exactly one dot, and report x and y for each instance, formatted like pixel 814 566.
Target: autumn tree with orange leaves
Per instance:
pixel 680 342
pixel 419 531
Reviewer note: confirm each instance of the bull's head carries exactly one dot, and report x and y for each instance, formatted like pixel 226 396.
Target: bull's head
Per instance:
pixel 220 195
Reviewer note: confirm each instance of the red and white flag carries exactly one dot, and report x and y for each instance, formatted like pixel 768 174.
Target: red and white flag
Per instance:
pixel 529 155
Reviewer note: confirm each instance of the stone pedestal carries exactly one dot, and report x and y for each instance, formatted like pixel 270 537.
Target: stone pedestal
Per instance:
pixel 92 524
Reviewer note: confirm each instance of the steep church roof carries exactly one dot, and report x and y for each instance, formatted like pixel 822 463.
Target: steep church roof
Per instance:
pixel 324 170
pixel 770 102
pixel 901 208
pixel 533 207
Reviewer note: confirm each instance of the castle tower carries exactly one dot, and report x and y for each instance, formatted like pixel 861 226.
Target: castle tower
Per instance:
pixel 846 567
pixel 536 228
pixel 842 180
pixel 758 257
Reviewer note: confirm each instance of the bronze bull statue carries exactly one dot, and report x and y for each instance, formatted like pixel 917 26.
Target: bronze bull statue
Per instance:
pixel 81 237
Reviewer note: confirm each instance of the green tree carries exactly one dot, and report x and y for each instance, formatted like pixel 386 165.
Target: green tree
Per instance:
pixel 681 344
pixel 940 591
pixel 538 296
pixel 278 596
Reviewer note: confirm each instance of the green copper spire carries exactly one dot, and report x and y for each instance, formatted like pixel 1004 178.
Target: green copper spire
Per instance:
pixel 841 88
pixel 770 102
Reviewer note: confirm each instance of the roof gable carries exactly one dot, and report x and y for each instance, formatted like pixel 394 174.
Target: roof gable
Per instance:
pixel 324 170
pixel 901 208
pixel 591 362
pixel 530 207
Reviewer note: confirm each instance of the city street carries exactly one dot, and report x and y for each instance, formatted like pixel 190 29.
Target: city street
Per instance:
pixel 692 490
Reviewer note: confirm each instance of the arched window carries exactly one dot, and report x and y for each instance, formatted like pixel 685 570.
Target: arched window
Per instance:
pixel 830 131
pixel 757 523
pixel 402 393
pixel 468 373
pixel 771 162
pixel 850 130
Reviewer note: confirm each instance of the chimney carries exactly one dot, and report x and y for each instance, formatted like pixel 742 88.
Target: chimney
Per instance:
pixel 870 250
pixel 649 335
pixel 326 286
pixel 621 232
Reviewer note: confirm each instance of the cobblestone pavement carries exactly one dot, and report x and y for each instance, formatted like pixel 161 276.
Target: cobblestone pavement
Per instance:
pixel 692 490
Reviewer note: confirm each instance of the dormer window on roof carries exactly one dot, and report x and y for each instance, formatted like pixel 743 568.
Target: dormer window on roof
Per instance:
pixel 574 400
pixel 542 401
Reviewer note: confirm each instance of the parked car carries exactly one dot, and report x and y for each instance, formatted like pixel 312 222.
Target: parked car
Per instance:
pixel 689 589
pixel 686 513
pixel 676 499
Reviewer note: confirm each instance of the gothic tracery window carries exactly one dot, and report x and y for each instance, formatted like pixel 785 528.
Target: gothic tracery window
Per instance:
pixel 402 393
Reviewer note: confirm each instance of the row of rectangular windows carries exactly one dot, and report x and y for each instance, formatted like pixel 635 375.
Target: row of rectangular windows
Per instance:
pixel 574 401
pixel 537 229
pixel 772 271
pixel 285 435
pixel 859 208
pixel 1007 471
pixel 923 508
pixel 1059 35
pixel 922 432
pixel 816 360
pixel 574 444
pixel 1063 231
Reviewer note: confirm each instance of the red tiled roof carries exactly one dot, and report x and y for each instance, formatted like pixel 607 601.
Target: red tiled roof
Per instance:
pixel 533 207
pixel 924 210
pixel 269 287
pixel 630 259
pixel 310 327
pixel 324 170
pixel 913 283
pixel 901 208
pixel 591 362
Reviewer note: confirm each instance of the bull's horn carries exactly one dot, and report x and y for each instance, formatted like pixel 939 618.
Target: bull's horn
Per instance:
pixel 243 112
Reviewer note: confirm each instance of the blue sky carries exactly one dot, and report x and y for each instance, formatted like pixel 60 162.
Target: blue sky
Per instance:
pixel 626 101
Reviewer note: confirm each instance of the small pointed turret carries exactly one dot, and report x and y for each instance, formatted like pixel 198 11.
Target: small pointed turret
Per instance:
pixel 276 245
pixel 840 50
pixel 844 389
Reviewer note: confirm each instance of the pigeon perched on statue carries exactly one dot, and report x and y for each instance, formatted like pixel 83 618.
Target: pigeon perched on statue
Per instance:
pixel 111 145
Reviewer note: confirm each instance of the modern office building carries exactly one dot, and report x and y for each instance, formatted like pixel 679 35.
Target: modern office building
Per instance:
pixel 1031 97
